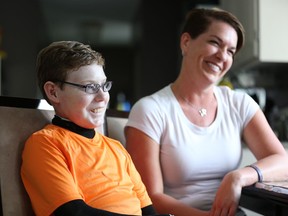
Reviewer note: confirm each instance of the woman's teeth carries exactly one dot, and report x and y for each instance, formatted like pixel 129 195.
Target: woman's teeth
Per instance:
pixel 214 67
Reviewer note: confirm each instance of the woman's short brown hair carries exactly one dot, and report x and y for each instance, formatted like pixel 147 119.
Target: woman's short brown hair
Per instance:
pixel 198 21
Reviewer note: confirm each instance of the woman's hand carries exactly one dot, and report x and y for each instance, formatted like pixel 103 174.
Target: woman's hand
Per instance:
pixel 228 195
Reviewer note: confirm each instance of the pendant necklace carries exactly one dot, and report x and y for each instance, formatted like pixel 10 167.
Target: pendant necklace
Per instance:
pixel 202 111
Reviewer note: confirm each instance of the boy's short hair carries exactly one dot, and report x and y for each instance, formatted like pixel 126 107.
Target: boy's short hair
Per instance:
pixel 55 61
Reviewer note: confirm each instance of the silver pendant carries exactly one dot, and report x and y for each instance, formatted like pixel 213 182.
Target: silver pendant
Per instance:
pixel 202 112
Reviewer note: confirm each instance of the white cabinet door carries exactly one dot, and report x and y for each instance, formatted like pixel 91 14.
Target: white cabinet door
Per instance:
pixel 266 31
pixel 273 30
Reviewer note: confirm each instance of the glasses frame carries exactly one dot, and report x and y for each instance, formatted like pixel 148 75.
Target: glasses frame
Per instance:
pixel 91 86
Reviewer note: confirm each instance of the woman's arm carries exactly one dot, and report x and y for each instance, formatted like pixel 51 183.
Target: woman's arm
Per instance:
pixel 271 156
pixel 272 161
pixel 145 153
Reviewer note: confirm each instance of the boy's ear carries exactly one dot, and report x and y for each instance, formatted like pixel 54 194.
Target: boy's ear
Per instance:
pixel 51 89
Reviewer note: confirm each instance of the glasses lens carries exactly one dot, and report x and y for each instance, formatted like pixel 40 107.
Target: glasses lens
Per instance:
pixel 94 88
pixel 107 86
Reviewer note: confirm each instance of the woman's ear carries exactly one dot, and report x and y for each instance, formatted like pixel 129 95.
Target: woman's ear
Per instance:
pixel 184 42
pixel 51 90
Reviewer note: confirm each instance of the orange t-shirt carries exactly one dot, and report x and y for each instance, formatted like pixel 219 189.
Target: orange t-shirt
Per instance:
pixel 59 166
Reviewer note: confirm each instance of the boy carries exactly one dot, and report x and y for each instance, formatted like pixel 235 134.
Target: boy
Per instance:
pixel 68 168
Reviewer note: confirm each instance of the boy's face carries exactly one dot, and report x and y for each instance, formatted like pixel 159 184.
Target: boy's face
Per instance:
pixel 84 109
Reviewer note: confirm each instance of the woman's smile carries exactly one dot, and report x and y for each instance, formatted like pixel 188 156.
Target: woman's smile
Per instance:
pixel 214 67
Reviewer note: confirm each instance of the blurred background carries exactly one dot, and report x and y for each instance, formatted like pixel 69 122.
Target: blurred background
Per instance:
pixel 138 39
pixel 140 42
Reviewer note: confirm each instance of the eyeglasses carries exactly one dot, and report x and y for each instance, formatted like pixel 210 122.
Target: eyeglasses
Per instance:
pixel 92 88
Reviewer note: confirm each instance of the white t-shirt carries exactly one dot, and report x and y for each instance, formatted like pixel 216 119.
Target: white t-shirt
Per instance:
pixel 194 159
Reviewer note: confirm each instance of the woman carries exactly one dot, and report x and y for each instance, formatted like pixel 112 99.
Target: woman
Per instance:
pixel 185 139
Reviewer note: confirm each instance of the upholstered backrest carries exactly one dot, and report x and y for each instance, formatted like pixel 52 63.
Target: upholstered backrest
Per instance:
pixel 16 125
pixel 115 123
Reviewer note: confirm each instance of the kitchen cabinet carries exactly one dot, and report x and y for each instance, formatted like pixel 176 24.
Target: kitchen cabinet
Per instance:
pixel 266 37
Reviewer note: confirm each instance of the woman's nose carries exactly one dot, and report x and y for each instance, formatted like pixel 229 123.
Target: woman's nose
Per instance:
pixel 222 54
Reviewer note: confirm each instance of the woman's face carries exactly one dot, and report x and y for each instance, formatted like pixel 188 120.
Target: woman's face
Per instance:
pixel 84 109
pixel 211 54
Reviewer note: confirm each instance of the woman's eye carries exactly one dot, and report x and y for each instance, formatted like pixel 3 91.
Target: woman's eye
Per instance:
pixel 214 42
pixel 231 52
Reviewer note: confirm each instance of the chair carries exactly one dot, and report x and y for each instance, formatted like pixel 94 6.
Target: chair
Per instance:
pixel 115 123
pixel 19 119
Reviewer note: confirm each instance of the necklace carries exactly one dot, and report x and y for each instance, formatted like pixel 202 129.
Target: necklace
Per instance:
pixel 202 111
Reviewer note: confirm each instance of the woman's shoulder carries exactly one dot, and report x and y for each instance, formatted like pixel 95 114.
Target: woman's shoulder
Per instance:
pixel 161 94
pixel 226 92
pixel 159 99
pixel 236 98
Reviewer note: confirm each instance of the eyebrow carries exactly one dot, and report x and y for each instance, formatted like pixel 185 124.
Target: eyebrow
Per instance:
pixel 93 81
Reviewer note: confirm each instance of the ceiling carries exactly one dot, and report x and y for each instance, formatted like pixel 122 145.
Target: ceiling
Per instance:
pixel 98 22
